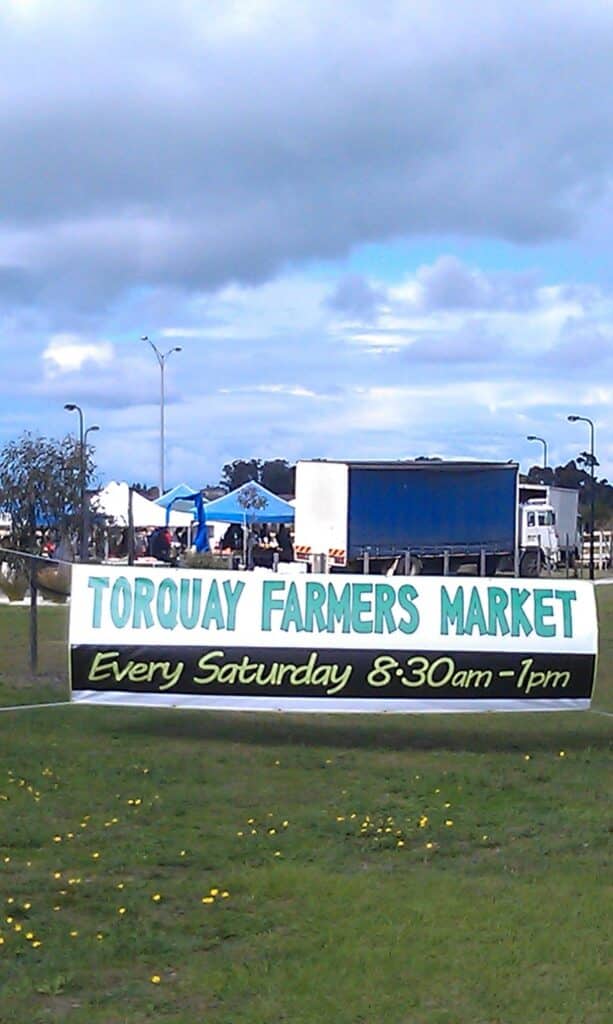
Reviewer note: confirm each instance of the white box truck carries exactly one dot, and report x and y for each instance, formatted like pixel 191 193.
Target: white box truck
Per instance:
pixel 564 501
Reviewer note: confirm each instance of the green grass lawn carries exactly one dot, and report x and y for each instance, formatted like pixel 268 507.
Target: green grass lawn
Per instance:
pixel 195 866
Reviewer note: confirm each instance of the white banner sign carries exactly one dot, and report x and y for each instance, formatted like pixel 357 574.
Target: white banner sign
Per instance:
pixel 169 637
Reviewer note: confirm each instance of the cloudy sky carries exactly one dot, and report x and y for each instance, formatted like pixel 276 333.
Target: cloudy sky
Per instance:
pixel 378 228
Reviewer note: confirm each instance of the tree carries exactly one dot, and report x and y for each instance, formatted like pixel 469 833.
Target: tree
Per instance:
pixel 276 474
pixel 240 471
pixel 40 486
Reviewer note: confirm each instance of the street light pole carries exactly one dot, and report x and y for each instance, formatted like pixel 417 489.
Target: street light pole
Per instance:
pixel 86 506
pixel 71 407
pixel 534 437
pixel 586 419
pixel 161 358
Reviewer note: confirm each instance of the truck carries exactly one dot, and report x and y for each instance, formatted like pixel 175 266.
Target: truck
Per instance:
pixel 413 516
pixel 564 503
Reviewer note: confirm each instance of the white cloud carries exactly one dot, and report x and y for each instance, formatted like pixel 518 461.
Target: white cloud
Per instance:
pixel 67 353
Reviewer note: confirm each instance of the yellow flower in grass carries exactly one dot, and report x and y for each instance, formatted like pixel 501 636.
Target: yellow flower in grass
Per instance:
pixel 449 822
pixel 423 821
pixel 121 910
pixel 29 936
pixel 225 894
pixel 156 897
pixel 95 855
pixel 214 892
pixel 155 979
pixel 36 944
pixel 74 933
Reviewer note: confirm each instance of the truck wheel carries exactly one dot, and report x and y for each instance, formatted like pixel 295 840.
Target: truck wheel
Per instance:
pixel 530 563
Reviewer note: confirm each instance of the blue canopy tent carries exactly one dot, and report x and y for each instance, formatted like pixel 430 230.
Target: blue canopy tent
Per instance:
pixel 182 497
pixel 250 504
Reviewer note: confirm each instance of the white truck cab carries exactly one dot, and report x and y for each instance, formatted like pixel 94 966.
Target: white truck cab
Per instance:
pixel 538 530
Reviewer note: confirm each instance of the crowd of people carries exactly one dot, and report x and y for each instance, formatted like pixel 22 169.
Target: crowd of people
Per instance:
pixel 262 545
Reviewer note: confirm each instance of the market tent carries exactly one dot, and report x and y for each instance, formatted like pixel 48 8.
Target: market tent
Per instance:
pixel 249 504
pixel 112 502
pixel 177 499
pixel 186 500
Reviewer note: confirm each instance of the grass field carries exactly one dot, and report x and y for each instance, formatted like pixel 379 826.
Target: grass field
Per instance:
pixel 190 866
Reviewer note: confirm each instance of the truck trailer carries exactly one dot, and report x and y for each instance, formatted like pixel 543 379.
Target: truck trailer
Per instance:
pixel 415 516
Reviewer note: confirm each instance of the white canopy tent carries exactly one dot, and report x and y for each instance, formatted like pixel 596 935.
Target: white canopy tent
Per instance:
pixel 113 500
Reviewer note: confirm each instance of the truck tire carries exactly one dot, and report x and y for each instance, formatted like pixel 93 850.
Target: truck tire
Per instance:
pixel 530 563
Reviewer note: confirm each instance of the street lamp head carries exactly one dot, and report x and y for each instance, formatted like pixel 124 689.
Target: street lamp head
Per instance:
pixel 144 337
pixel 95 427
pixel 177 349
pixel 71 407
pixel 573 419
pixel 532 437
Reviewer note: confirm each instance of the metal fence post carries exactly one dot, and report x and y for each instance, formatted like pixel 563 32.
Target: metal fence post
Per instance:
pixel 33 618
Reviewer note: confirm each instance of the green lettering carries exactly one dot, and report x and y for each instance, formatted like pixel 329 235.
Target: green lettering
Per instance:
pixel 292 612
pixel 100 669
pixel 213 611
pixel 144 590
pixel 519 619
pixel 98 584
pixel 497 602
pixel 543 611
pixel 211 670
pixel 232 594
pixel 167 604
pixel 474 616
pixel 314 617
pixel 270 603
pixel 452 611
pixel 339 608
pixel 406 596
pixel 190 596
pixel 567 597
pixel 361 606
pixel 121 602
pixel 385 599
